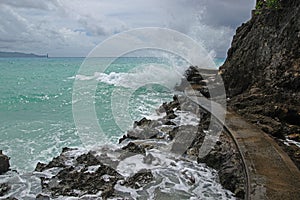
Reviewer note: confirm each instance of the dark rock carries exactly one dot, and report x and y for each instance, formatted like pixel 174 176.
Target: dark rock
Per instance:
pixel 293 151
pixel 139 179
pixel 4 163
pixel 4 188
pixel 145 133
pixel 262 70
pixel 66 149
pixel 224 158
pixel 146 123
pixel 134 148
pixel 88 159
pixel 123 138
pixel 168 108
pixel 91 173
pixel 58 161
pixel 183 137
pixel 193 73
pixel 40 167
pixel 91 183
pixel 78 180
pixel 143 122
pixel 170 123
pixel 171 115
pixel 42 197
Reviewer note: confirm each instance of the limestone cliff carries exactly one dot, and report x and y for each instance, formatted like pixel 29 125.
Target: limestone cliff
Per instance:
pixel 262 70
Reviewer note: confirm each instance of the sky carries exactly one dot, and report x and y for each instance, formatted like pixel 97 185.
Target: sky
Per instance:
pixel 64 28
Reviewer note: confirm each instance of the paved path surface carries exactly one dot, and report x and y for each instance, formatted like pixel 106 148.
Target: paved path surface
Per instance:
pixel 270 172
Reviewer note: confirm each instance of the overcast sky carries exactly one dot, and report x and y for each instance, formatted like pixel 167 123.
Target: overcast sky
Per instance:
pixel 75 27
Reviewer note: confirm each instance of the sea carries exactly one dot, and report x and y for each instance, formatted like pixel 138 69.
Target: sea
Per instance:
pixel 36 116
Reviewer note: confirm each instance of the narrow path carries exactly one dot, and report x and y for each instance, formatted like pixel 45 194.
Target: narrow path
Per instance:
pixel 270 172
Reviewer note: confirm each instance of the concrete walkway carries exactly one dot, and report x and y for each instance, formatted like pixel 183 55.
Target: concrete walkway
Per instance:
pixel 271 174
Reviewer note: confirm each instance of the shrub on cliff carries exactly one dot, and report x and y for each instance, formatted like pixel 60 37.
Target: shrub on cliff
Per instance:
pixel 267 4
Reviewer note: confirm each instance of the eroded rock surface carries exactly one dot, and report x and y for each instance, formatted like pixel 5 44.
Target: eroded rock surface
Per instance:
pixel 262 72
pixel 155 154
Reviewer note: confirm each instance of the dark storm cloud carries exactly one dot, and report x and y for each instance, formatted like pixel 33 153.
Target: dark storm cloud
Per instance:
pixel 74 27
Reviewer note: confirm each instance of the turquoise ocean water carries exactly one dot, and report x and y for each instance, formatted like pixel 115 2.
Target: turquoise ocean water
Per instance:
pixel 36 118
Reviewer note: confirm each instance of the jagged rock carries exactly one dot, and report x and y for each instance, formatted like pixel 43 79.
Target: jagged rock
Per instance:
pixel 134 148
pixel 224 158
pixel 262 70
pixel 171 115
pixel 66 149
pixel 170 123
pixel 92 172
pixel 139 179
pixel 88 159
pixel 56 162
pixel 88 175
pixel 4 163
pixel 168 108
pixel 42 197
pixel 143 122
pixel 145 133
pixel 183 137
pixel 4 188
pixel 40 167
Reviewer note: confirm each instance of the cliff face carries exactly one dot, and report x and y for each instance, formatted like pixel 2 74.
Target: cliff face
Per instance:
pixel 262 70
pixel 265 52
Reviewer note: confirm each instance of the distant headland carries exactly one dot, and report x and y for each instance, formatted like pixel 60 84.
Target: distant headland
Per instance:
pixel 20 55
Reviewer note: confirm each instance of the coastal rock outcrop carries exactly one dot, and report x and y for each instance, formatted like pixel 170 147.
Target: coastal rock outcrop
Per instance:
pixel 4 167
pixel 262 71
pixel 153 152
pixel 4 163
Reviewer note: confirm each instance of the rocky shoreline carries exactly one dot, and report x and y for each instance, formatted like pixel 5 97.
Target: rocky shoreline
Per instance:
pixel 262 80
pixel 97 171
pixel 171 141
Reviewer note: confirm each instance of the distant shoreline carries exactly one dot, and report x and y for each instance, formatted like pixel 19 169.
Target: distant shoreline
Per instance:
pixel 21 55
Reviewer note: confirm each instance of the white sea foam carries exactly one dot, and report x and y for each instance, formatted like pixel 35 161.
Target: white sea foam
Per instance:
pixel 173 178
pixel 288 142
pixel 92 169
pixel 145 74
pixel 24 186
pixel 186 118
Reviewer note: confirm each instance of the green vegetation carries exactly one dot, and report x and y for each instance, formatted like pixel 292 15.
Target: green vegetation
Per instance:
pixel 266 4
pixel 273 4
pixel 259 5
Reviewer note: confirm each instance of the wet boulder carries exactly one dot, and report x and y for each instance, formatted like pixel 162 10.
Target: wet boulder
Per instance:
pixel 139 179
pixel 4 163
pixel 4 188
